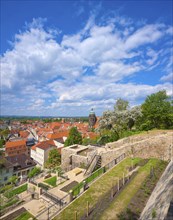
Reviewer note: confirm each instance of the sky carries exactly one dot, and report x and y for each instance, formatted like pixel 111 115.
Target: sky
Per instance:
pixel 62 58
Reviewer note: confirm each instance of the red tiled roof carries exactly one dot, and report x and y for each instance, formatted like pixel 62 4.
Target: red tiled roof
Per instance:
pixel 55 125
pixel 57 135
pixel 24 134
pixel 44 145
pixel 15 143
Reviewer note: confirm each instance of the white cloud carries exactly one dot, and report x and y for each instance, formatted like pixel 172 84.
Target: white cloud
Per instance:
pixel 146 34
pixel 82 70
pixel 168 77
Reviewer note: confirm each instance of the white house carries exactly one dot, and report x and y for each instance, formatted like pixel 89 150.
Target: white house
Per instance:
pixel 40 151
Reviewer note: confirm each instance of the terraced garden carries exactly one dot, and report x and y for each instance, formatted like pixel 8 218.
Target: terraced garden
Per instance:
pixel 16 191
pixel 128 203
pixel 96 190
pixel 131 201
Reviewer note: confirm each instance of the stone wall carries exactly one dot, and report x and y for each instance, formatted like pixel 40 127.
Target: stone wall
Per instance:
pixel 144 146
pixel 65 157
pixel 78 159
pixel 161 196
pixel 33 188
pixel 110 155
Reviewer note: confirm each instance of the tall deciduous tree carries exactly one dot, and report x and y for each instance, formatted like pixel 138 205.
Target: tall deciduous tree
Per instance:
pixel 121 119
pixel 121 105
pixel 74 137
pixel 54 159
pixel 157 110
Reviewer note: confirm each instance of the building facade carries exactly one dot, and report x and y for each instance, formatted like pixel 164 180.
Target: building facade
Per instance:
pixel 40 151
pixel 13 148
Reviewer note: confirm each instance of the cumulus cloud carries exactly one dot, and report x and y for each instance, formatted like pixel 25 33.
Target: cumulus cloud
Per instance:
pixel 82 70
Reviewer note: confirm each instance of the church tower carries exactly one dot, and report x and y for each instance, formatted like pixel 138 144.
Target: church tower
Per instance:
pixel 92 119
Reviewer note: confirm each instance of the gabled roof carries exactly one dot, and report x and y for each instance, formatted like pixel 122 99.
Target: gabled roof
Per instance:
pixel 57 135
pixel 15 143
pixel 24 134
pixel 44 145
pixel 55 125
pixel 21 161
pixel 5 163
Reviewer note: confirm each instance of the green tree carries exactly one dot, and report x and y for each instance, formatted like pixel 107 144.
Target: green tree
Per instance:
pixel 59 170
pixel 118 120
pixel 35 171
pixel 74 137
pixel 158 111
pixel 54 159
pixel 4 133
pixel 121 105
pixel 13 179
pixel 87 141
pixel 2 142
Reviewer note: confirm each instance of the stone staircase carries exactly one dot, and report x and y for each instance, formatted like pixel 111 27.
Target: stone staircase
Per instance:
pixel 96 162
pixel 99 162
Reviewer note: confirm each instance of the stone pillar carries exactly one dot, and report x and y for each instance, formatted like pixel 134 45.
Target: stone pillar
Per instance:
pixel 71 195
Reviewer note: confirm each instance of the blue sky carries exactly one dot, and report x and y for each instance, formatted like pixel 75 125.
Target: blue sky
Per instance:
pixel 62 58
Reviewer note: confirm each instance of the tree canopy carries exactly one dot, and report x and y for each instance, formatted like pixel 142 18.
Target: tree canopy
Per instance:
pixel 54 159
pixel 34 172
pixel 121 105
pixel 120 119
pixel 74 137
pixel 157 110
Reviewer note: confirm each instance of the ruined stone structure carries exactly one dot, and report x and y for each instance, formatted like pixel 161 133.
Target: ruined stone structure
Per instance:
pixel 145 146
pixel 76 155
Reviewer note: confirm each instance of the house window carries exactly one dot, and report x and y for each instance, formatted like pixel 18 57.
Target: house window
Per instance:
pixel 5 178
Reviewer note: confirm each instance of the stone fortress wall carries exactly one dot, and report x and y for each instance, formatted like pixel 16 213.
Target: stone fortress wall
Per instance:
pixel 152 144
pixel 156 145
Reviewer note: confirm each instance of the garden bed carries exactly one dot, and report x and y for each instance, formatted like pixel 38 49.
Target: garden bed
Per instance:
pixel 131 201
pixel 51 181
pixel 16 191
pixel 138 202
pixel 25 216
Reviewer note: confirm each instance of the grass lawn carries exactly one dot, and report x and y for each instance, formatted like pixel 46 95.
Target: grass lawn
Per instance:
pixel 96 190
pixel 24 216
pixel 12 202
pixel 121 202
pixel 16 191
pixel 51 181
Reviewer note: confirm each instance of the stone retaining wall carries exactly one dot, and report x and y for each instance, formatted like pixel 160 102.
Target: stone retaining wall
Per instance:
pixel 146 146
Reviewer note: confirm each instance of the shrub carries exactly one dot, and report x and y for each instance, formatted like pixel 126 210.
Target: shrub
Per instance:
pixel 153 213
pixel 35 171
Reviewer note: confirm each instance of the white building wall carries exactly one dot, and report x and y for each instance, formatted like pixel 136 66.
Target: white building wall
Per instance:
pixel 40 156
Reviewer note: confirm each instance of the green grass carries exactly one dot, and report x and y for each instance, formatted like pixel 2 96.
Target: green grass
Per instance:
pixel 24 216
pixel 97 173
pixel 16 191
pixel 96 190
pixel 124 198
pixel 51 181
pixel 13 201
